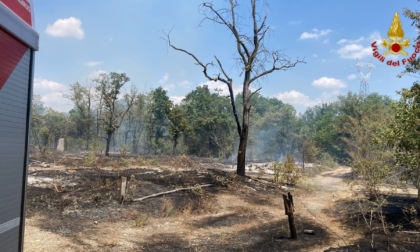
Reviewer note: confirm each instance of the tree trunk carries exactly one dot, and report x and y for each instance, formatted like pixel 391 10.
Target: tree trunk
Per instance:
pixel 240 169
pixel 126 136
pixel 303 160
pixel 113 142
pixel 243 140
pixel 418 194
pixel 134 142
pixel 87 143
pixel 108 143
pixel 243 133
pixel 255 61
pixel 175 143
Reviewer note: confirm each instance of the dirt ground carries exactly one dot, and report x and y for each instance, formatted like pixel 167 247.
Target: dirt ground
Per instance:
pixel 74 208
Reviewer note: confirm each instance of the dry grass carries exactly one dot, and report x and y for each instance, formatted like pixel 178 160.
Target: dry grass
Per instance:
pixel 168 208
pixel 236 214
pixel 142 220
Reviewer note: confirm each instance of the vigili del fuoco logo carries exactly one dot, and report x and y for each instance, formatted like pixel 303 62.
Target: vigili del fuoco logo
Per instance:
pixel 395 44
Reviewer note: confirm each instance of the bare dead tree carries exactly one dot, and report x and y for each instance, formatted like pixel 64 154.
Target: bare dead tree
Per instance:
pixel 254 59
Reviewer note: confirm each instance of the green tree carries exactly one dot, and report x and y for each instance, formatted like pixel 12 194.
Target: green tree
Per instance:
pixel 287 172
pixel 261 131
pixel 275 133
pixel 55 124
pixel 371 160
pixel 210 124
pixel 254 59
pixel 37 123
pixel 260 105
pixel 47 126
pixel 109 88
pixel 134 123
pixel 414 66
pixel 157 120
pixel 405 134
pixel 321 121
pixel 306 146
pixel 178 125
pixel 352 107
pixel 360 123
pixel 82 114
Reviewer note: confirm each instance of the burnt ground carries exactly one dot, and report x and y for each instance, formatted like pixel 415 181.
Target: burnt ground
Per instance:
pixel 76 208
pixel 395 228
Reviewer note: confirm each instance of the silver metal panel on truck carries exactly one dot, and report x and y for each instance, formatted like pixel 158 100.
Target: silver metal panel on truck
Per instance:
pixel 13 138
pixel 18 41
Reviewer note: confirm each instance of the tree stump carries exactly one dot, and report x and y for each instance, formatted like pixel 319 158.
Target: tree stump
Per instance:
pixel 289 209
pixel 61 145
pixel 123 188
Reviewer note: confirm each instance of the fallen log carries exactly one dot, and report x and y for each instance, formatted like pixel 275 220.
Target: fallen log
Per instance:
pixel 171 191
pixel 408 232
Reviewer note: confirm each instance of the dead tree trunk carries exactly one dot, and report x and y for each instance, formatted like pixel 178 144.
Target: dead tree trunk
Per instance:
pixel 240 169
pixel 243 131
pixel 255 60
pixel 108 142
pixel 289 209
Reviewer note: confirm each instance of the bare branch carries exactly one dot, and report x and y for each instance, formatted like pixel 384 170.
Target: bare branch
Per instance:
pixel 254 59
pixel 262 31
pixel 256 91
pixel 197 61
pixel 256 40
pixel 241 47
pixel 254 19
pixel 229 80
pixel 129 99
pixel 235 113
pixel 285 64
pixel 231 94
pixel 262 24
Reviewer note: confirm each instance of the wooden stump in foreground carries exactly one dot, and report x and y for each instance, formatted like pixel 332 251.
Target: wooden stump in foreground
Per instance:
pixel 289 209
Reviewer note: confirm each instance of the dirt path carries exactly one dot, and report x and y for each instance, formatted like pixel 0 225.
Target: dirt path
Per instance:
pixel 328 188
pixel 245 218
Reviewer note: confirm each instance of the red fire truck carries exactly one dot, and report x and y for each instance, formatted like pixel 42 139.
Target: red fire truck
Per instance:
pixel 18 42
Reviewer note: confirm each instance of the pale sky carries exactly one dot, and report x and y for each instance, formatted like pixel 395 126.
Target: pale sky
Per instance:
pixel 80 38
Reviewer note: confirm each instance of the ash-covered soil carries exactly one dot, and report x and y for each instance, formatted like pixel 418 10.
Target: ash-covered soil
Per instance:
pixel 76 208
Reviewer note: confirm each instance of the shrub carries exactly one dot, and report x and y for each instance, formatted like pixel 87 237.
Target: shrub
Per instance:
pixel 287 172
pixel 326 161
